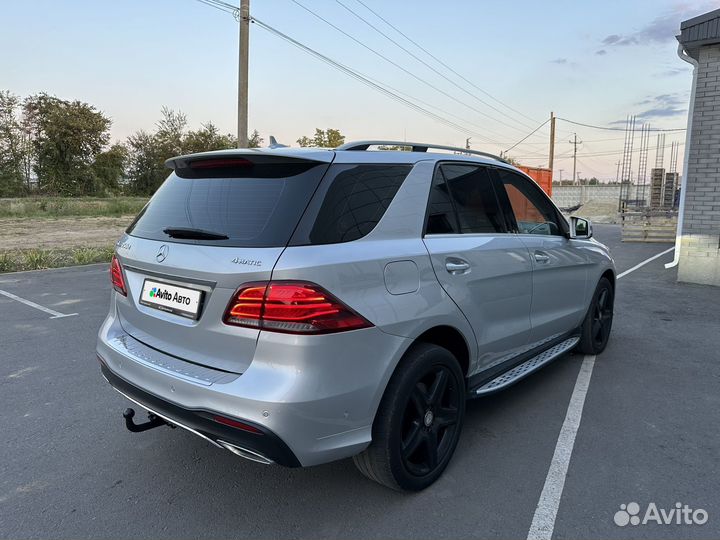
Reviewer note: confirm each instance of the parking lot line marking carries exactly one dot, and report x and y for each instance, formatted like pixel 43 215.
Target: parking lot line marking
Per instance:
pixel 626 272
pixel 543 523
pixel 55 314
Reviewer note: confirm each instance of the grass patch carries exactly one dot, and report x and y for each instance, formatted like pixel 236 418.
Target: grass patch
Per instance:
pixel 52 207
pixel 37 259
pixel 40 259
pixel 7 263
pixel 91 255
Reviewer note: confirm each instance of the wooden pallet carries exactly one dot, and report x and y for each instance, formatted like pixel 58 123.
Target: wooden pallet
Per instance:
pixel 649 226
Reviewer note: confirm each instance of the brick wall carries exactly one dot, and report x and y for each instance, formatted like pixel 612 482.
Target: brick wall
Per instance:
pixel 700 243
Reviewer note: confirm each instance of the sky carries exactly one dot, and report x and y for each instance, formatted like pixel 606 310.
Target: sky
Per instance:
pixel 589 62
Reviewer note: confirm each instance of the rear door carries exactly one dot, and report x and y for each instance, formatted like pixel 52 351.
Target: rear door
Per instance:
pixel 486 271
pixel 560 269
pixel 215 224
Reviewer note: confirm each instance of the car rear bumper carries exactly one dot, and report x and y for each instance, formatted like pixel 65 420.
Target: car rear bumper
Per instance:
pixel 263 447
pixel 314 398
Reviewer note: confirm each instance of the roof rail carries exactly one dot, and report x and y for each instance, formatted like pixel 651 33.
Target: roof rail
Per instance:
pixel 416 147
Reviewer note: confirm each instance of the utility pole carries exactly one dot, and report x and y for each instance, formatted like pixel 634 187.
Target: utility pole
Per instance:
pixel 561 171
pixel 552 143
pixel 244 21
pixel 575 142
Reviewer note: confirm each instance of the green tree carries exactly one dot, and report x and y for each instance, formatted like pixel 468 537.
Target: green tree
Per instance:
pixel 205 139
pixel 255 140
pixel 109 169
pixel 145 163
pixel 170 132
pixel 12 147
pixel 329 138
pixel 66 136
pixel 147 152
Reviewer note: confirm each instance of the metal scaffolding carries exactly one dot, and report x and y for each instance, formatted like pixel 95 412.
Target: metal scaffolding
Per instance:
pixel 641 184
pixel 625 177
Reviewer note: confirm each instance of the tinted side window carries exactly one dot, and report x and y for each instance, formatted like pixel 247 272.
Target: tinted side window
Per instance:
pixel 441 212
pixel 474 197
pixel 533 212
pixel 350 202
pixel 462 199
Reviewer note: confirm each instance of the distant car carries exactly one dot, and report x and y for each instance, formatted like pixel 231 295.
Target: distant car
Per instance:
pixel 299 306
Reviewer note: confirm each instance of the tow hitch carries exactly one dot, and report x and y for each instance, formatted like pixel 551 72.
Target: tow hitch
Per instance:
pixel 153 422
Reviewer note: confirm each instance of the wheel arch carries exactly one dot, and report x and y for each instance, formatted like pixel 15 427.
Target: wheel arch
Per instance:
pixel 610 275
pixel 449 338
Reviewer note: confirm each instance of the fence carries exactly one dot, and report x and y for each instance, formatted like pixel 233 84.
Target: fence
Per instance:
pixel 566 196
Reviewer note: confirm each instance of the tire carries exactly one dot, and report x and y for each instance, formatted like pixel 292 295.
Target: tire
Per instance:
pixel 595 330
pixel 418 423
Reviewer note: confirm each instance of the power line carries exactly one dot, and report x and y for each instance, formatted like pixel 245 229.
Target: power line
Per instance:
pixel 431 106
pixel 222 6
pixel 426 64
pixel 612 128
pixel 597 154
pixel 401 68
pixel 365 80
pixel 377 85
pixel 527 136
pixel 423 49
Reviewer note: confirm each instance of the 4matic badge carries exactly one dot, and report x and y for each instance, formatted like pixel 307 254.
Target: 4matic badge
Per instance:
pixel 248 262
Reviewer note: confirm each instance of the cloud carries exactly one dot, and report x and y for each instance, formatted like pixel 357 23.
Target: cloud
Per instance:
pixel 559 61
pixel 614 39
pixel 601 52
pixel 658 106
pixel 662 28
pixel 661 112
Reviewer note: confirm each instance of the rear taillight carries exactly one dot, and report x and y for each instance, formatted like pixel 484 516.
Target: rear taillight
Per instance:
pixel 116 276
pixel 292 307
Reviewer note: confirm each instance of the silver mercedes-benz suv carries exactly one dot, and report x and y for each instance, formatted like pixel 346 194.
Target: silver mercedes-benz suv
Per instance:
pixel 299 306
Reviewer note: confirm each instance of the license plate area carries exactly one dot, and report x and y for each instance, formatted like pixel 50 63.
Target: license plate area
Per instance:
pixel 182 301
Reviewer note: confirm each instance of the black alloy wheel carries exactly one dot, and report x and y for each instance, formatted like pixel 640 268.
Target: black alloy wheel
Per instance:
pixel 418 422
pixel 430 421
pixel 595 330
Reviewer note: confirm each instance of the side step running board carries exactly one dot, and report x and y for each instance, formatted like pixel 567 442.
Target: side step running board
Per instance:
pixel 513 375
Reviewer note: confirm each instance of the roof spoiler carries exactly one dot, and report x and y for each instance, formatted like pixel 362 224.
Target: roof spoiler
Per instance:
pixel 254 155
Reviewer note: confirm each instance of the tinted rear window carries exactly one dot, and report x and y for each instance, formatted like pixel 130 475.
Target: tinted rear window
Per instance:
pixel 350 202
pixel 258 205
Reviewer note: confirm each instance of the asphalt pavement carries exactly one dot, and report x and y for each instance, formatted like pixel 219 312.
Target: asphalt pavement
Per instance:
pixel 648 434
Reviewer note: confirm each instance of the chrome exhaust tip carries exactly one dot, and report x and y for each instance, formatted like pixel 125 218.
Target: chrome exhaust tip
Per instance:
pixel 245 453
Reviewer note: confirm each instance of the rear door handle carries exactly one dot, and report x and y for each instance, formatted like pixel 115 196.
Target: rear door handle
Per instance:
pixel 541 257
pixel 457 266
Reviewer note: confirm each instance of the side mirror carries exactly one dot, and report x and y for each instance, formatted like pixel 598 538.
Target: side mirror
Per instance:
pixel 580 228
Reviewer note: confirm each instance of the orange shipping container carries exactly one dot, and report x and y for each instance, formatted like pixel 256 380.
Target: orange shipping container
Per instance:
pixel 543 177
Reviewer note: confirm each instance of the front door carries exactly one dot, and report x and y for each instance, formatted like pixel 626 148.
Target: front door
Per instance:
pixel 560 269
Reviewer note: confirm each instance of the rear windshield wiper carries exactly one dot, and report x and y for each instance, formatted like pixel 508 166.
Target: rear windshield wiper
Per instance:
pixel 193 234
